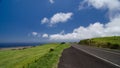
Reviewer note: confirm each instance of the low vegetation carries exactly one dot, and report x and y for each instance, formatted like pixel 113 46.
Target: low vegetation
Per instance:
pixel 45 56
pixel 104 42
pixel 50 60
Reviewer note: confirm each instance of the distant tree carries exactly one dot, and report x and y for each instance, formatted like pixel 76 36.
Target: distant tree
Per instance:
pixel 62 42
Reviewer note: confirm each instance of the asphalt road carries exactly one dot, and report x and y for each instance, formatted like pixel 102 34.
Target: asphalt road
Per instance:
pixel 78 56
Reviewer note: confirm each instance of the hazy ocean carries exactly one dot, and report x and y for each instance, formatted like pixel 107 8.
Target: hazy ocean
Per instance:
pixel 7 45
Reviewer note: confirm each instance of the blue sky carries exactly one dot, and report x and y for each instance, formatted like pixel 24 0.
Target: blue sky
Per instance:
pixel 57 20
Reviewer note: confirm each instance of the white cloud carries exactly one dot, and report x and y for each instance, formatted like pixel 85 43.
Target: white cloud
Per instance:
pixel 51 1
pixel 112 28
pixel 93 30
pixel 60 17
pixel 57 18
pixel 62 32
pixel 45 36
pixel 113 6
pixel 44 20
pixel 34 33
pixel 110 4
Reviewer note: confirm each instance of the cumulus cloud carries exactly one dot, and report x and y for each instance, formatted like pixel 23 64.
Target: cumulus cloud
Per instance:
pixel 44 20
pixel 110 4
pixel 112 28
pixel 113 6
pixel 57 18
pixel 45 35
pixel 60 17
pixel 51 1
pixel 93 30
pixel 98 4
pixel 34 33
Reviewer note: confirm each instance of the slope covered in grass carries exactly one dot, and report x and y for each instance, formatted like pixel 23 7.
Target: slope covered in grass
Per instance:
pixel 50 60
pixel 105 42
pixel 24 58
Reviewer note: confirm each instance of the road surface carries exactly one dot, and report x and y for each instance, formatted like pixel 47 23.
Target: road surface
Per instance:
pixel 78 56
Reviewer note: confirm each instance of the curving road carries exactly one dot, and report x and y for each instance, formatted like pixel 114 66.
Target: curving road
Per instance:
pixel 78 56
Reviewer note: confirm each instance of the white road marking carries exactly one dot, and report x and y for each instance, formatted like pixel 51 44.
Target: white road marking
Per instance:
pixel 106 51
pixel 99 57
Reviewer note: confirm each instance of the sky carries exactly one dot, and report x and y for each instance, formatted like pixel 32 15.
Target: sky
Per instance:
pixel 58 20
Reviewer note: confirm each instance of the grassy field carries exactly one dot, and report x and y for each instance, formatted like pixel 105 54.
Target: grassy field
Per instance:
pixel 104 42
pixel 39 56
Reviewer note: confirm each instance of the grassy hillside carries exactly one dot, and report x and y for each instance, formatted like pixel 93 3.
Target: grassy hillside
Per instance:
pixel 39 56
pixel 104 42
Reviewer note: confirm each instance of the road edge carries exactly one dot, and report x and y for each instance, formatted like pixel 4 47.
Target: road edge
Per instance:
pixel 97 57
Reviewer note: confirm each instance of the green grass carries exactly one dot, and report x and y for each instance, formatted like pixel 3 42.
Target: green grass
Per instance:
pixel 50 60
pixel 26 57
pixel 104 42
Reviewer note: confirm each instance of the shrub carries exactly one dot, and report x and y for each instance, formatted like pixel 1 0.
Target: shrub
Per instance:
pixel 35 60
pixel 51 49
pixel 24 48
pixel 62 42
pixel 84 42
pixel 108 44
pixel 114 46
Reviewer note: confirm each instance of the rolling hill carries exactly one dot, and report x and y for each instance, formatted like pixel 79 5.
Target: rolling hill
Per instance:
pixel 112 42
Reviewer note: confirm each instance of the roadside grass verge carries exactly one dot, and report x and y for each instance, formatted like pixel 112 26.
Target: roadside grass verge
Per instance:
pixel 103 42
pixel 51 59
pixel 22 58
